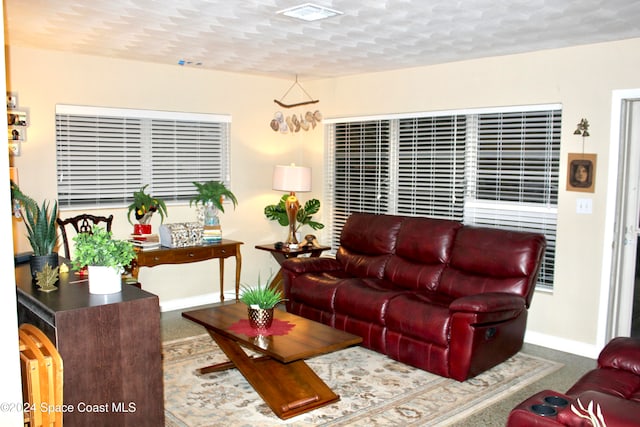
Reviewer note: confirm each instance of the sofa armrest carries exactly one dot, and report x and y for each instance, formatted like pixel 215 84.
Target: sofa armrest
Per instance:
pixel 490 302
pixel 616 411
pixel 311 265
pixel 621 353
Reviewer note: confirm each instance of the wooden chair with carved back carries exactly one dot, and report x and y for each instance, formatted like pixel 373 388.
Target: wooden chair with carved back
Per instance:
pixel 81 224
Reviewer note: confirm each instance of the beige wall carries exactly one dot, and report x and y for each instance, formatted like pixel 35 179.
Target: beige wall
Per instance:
pixel 43 79
pixel 580 78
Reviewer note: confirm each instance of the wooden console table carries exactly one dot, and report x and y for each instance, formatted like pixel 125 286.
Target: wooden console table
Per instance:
pixel 110 347
pixel 284 253
pixel 164 255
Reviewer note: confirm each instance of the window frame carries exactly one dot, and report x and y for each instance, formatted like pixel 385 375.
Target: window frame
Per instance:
pixel 134 159
pixel 533 214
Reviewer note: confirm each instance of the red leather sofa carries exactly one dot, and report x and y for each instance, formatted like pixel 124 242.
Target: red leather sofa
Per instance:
pixel 437 295
pixel 614 385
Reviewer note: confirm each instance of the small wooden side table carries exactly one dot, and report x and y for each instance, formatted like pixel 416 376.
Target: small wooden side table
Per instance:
pixel 285 253
pixel 164 255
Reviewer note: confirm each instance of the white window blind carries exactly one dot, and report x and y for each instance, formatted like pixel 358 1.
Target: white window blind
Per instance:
pixel 518 156
pixel 360 170
pixel 104 154
pixel 494 168
pixel 431 167
pixel 183 152
pixel 515 160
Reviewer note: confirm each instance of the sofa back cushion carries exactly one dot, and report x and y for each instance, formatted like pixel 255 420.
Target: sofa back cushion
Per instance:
pixel 422 251
pixel 492 260
pixel 366 242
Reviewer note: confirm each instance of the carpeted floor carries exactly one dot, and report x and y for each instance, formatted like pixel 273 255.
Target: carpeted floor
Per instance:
pixel 374 390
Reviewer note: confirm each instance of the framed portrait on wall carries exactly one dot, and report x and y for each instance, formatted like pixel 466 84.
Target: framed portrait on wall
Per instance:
pixel 16 118
pixel 12 100
pixel 581 172
pixel 17 133
pixel 17 122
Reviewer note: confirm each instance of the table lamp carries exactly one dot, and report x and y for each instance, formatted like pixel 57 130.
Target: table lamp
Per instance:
pixel 292 178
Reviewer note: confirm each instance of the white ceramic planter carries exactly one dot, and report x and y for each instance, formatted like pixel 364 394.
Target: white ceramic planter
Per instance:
pixel 104 280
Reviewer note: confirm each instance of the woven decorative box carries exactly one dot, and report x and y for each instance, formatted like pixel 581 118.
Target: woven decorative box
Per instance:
pixel 180 234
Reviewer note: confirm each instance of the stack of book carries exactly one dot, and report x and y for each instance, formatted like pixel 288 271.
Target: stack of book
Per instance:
pixel 212 234
pixel 145 241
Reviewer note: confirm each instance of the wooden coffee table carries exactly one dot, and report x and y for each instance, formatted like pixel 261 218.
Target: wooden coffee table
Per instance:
pixel 281 377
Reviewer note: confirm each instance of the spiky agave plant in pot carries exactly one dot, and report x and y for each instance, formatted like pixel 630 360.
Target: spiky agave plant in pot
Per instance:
pixel 41 229
pixel 261 301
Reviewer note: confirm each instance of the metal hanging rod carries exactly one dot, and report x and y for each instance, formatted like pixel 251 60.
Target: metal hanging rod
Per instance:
pixel 311 100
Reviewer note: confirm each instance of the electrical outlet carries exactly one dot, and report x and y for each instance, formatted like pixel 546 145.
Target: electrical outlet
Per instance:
pixel 584 206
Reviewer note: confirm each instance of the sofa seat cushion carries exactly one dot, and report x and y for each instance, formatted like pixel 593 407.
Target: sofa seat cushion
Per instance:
pixel 318 290
pixel 365 299
pixel 615 382
pixel 424 316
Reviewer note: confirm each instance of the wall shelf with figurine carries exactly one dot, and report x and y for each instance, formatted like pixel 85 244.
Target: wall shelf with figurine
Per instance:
pixel 17 122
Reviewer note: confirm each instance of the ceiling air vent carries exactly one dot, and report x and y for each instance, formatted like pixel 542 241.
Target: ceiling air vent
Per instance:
pixel 309 12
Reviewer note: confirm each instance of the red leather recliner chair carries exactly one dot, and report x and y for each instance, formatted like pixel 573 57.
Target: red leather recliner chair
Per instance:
pixel 614 385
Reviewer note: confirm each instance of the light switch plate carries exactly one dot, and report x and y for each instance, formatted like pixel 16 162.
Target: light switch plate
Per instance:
pixel 584 206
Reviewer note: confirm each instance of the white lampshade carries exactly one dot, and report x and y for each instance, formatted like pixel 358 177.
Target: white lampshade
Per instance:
pixel 291 178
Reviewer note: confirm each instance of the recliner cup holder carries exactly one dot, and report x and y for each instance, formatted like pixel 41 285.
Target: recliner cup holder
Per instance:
pixel 557 401
pixel 543 410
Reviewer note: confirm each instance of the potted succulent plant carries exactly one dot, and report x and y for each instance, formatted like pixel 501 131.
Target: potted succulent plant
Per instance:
pixel 303 217
pixel 143 207
pixel 41 229
pixel 261 301
pixel 105 258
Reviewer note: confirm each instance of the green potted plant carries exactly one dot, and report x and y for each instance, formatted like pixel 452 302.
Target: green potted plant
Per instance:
pixel 143 207
pixel 213 192
pixel 278 213
pixel 105 258
pixel 210 195
pixel 41 228
pixel 261 301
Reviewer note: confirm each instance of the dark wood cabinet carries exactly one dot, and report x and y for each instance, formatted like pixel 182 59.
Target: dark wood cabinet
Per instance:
pixel 110 347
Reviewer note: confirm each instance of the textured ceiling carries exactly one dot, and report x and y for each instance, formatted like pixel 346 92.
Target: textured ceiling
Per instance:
pixel 247 36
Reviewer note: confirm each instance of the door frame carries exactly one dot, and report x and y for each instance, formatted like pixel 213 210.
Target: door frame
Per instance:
pixel 611 311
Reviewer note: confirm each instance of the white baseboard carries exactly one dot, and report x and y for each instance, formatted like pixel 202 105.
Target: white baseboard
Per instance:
pixel 561 344
pixel 195 301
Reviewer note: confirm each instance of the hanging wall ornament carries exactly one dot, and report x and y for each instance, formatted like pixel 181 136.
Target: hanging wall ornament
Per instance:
pixel 294 123
pixel 303 123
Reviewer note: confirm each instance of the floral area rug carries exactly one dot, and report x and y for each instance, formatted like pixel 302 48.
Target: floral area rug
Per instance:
pixel 374 390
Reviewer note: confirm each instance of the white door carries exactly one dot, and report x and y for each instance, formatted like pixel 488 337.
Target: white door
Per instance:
pixel 628 224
